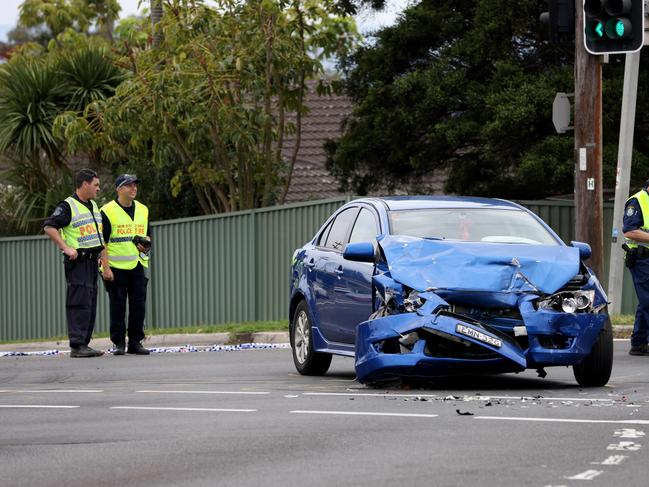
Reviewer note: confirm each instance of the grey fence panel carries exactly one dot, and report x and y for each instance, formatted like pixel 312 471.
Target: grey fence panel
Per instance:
pixel 205 270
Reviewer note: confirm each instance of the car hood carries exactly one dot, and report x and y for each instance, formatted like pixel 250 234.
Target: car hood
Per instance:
pixel 425 264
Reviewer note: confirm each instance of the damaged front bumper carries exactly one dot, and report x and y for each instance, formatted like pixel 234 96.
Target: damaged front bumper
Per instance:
pixel 442 343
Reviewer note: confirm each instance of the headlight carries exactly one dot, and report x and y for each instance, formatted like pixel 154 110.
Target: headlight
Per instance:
pixel 569 301
pixel 569 305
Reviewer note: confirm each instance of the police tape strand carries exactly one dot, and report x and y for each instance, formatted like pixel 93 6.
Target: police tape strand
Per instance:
pixel 179 349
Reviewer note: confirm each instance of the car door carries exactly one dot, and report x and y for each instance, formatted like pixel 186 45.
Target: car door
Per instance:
pixel 353 295
pixel 326 268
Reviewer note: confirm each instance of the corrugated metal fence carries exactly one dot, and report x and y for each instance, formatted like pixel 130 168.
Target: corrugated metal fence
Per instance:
pixel 206 270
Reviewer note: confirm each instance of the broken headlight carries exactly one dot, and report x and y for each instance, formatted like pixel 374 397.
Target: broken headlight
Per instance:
pixel 569 301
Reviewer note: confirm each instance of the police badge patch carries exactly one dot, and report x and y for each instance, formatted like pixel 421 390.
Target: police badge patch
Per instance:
pixel 630 211
pixel 58 211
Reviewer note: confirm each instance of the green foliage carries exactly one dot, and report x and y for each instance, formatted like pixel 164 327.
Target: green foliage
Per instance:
pixel 467 86
pixel 56 16
pixel 212 100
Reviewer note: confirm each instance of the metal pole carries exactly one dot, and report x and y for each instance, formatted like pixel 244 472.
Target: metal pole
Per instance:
pixel 622 180
pixel 588 147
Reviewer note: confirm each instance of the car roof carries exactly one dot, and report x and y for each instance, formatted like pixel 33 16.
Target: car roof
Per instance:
pixel 429 202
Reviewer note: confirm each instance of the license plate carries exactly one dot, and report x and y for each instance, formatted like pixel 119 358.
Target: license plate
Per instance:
pixel 477 335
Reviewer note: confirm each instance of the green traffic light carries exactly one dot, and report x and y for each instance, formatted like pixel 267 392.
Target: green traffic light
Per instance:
pixel 599 29
pixel 619 28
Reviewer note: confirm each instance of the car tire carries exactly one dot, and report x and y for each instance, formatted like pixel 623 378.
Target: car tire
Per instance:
pixel 595 369
pixel 307 362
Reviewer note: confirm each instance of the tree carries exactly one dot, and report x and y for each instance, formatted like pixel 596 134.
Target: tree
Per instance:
pixel 56 16
pixel 465 86
pixel 34 91
pixel 214 94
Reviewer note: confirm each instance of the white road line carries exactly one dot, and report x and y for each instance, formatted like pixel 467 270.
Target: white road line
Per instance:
pixel 587 475
pixel 217 410
pixel 367 413
pixel 76 391
pixel 565 420
pixel 35 406
pixel 250 393
pixel 485 397
pixel 612 460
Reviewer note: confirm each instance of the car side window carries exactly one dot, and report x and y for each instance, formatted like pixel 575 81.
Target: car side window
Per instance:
pixel 322 239
pixel 365 229
pixel 337 237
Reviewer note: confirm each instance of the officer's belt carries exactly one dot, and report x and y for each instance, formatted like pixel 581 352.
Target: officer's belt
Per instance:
pixel 85 254
pixel 642 252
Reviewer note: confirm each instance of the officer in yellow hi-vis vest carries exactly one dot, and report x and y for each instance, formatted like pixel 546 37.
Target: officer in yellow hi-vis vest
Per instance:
pixel 636 233
pixel 128 242
pixel 75 227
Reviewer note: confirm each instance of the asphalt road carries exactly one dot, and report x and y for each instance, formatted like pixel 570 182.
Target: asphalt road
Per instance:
pixel 247 419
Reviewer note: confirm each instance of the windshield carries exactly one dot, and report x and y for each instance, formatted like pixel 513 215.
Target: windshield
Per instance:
pixel 471 225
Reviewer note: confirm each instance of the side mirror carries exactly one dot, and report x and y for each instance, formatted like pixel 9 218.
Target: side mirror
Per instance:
pixel 584 249
pixel 359 252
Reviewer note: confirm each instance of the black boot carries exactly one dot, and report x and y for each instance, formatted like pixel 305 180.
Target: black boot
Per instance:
pixel 137 349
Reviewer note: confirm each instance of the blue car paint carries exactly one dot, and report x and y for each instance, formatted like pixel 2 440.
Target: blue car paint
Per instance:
pixel 483 275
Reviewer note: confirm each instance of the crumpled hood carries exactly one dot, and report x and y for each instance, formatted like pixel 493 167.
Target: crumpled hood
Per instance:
pixel 488 267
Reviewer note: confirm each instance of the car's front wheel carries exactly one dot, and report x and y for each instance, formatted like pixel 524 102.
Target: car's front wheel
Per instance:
pixel 595 369
pixel 307 362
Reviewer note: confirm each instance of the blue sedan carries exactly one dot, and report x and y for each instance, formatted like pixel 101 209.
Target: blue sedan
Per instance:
pixel 418 287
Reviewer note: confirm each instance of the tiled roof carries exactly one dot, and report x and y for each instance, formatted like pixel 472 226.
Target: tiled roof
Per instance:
pixel 311 180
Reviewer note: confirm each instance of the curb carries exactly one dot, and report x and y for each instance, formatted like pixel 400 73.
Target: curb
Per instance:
pixel 152 341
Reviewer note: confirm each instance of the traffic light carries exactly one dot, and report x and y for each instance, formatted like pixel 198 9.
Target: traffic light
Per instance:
pixel 559 20
pixel 613 26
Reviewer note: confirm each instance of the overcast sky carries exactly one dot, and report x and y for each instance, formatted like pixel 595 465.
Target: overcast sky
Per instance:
pixel 366 20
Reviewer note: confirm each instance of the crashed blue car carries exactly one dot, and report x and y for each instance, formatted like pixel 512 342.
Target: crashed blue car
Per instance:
pixel 422 287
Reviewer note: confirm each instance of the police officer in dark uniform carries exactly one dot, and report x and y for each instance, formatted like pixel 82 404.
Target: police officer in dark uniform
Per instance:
pixel 636 233
pixel 75 227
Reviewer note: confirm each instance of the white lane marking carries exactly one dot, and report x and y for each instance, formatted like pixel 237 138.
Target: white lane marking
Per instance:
pixel 587 475
pixel 624 446
pixel 612 460
pixel 205 392
pixel 565 420
pixel 366 413
pixel 35 406
pixel 629 433
pixel 76 391
pixel 486 397
pixel 217 410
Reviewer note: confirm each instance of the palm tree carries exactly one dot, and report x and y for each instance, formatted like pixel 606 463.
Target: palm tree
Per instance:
pixel 156 18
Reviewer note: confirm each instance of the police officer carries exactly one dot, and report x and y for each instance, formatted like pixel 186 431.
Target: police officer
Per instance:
pixel 123 264
pixel 636 233
pixel 75 227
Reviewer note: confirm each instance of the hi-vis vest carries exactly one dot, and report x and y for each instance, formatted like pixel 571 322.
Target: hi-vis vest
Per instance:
pixel 84 231
pixel 643 199
pixel 122 252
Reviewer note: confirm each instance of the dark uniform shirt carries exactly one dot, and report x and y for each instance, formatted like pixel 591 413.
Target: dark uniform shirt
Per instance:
pixel 130 211
pixel 62 215
pixel 633 218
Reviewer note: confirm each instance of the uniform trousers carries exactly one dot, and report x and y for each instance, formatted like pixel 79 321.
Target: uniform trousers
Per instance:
pixel 127 285
pixel 640 274
pixel 81 299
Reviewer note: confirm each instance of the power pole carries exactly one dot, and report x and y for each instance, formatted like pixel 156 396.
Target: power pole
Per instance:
pixel 588 146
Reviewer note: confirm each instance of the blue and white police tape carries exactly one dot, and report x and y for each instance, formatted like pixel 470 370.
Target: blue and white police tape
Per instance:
pixel 178 349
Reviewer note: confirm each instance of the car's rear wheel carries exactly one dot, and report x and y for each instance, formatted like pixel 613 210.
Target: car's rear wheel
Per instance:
pixel 595 369
pixel 307 362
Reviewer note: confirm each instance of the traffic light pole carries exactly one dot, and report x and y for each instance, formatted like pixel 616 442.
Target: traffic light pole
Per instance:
pixel 588 146
pixel 622 180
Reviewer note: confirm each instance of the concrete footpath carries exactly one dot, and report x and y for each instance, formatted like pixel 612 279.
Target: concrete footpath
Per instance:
pixel 154 341
pixel 199 339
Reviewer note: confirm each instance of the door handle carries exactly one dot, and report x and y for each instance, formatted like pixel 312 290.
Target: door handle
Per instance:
pixel 311 264
pixel 339 271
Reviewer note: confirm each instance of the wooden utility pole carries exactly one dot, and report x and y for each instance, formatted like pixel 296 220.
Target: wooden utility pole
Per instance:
pixel 588 146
